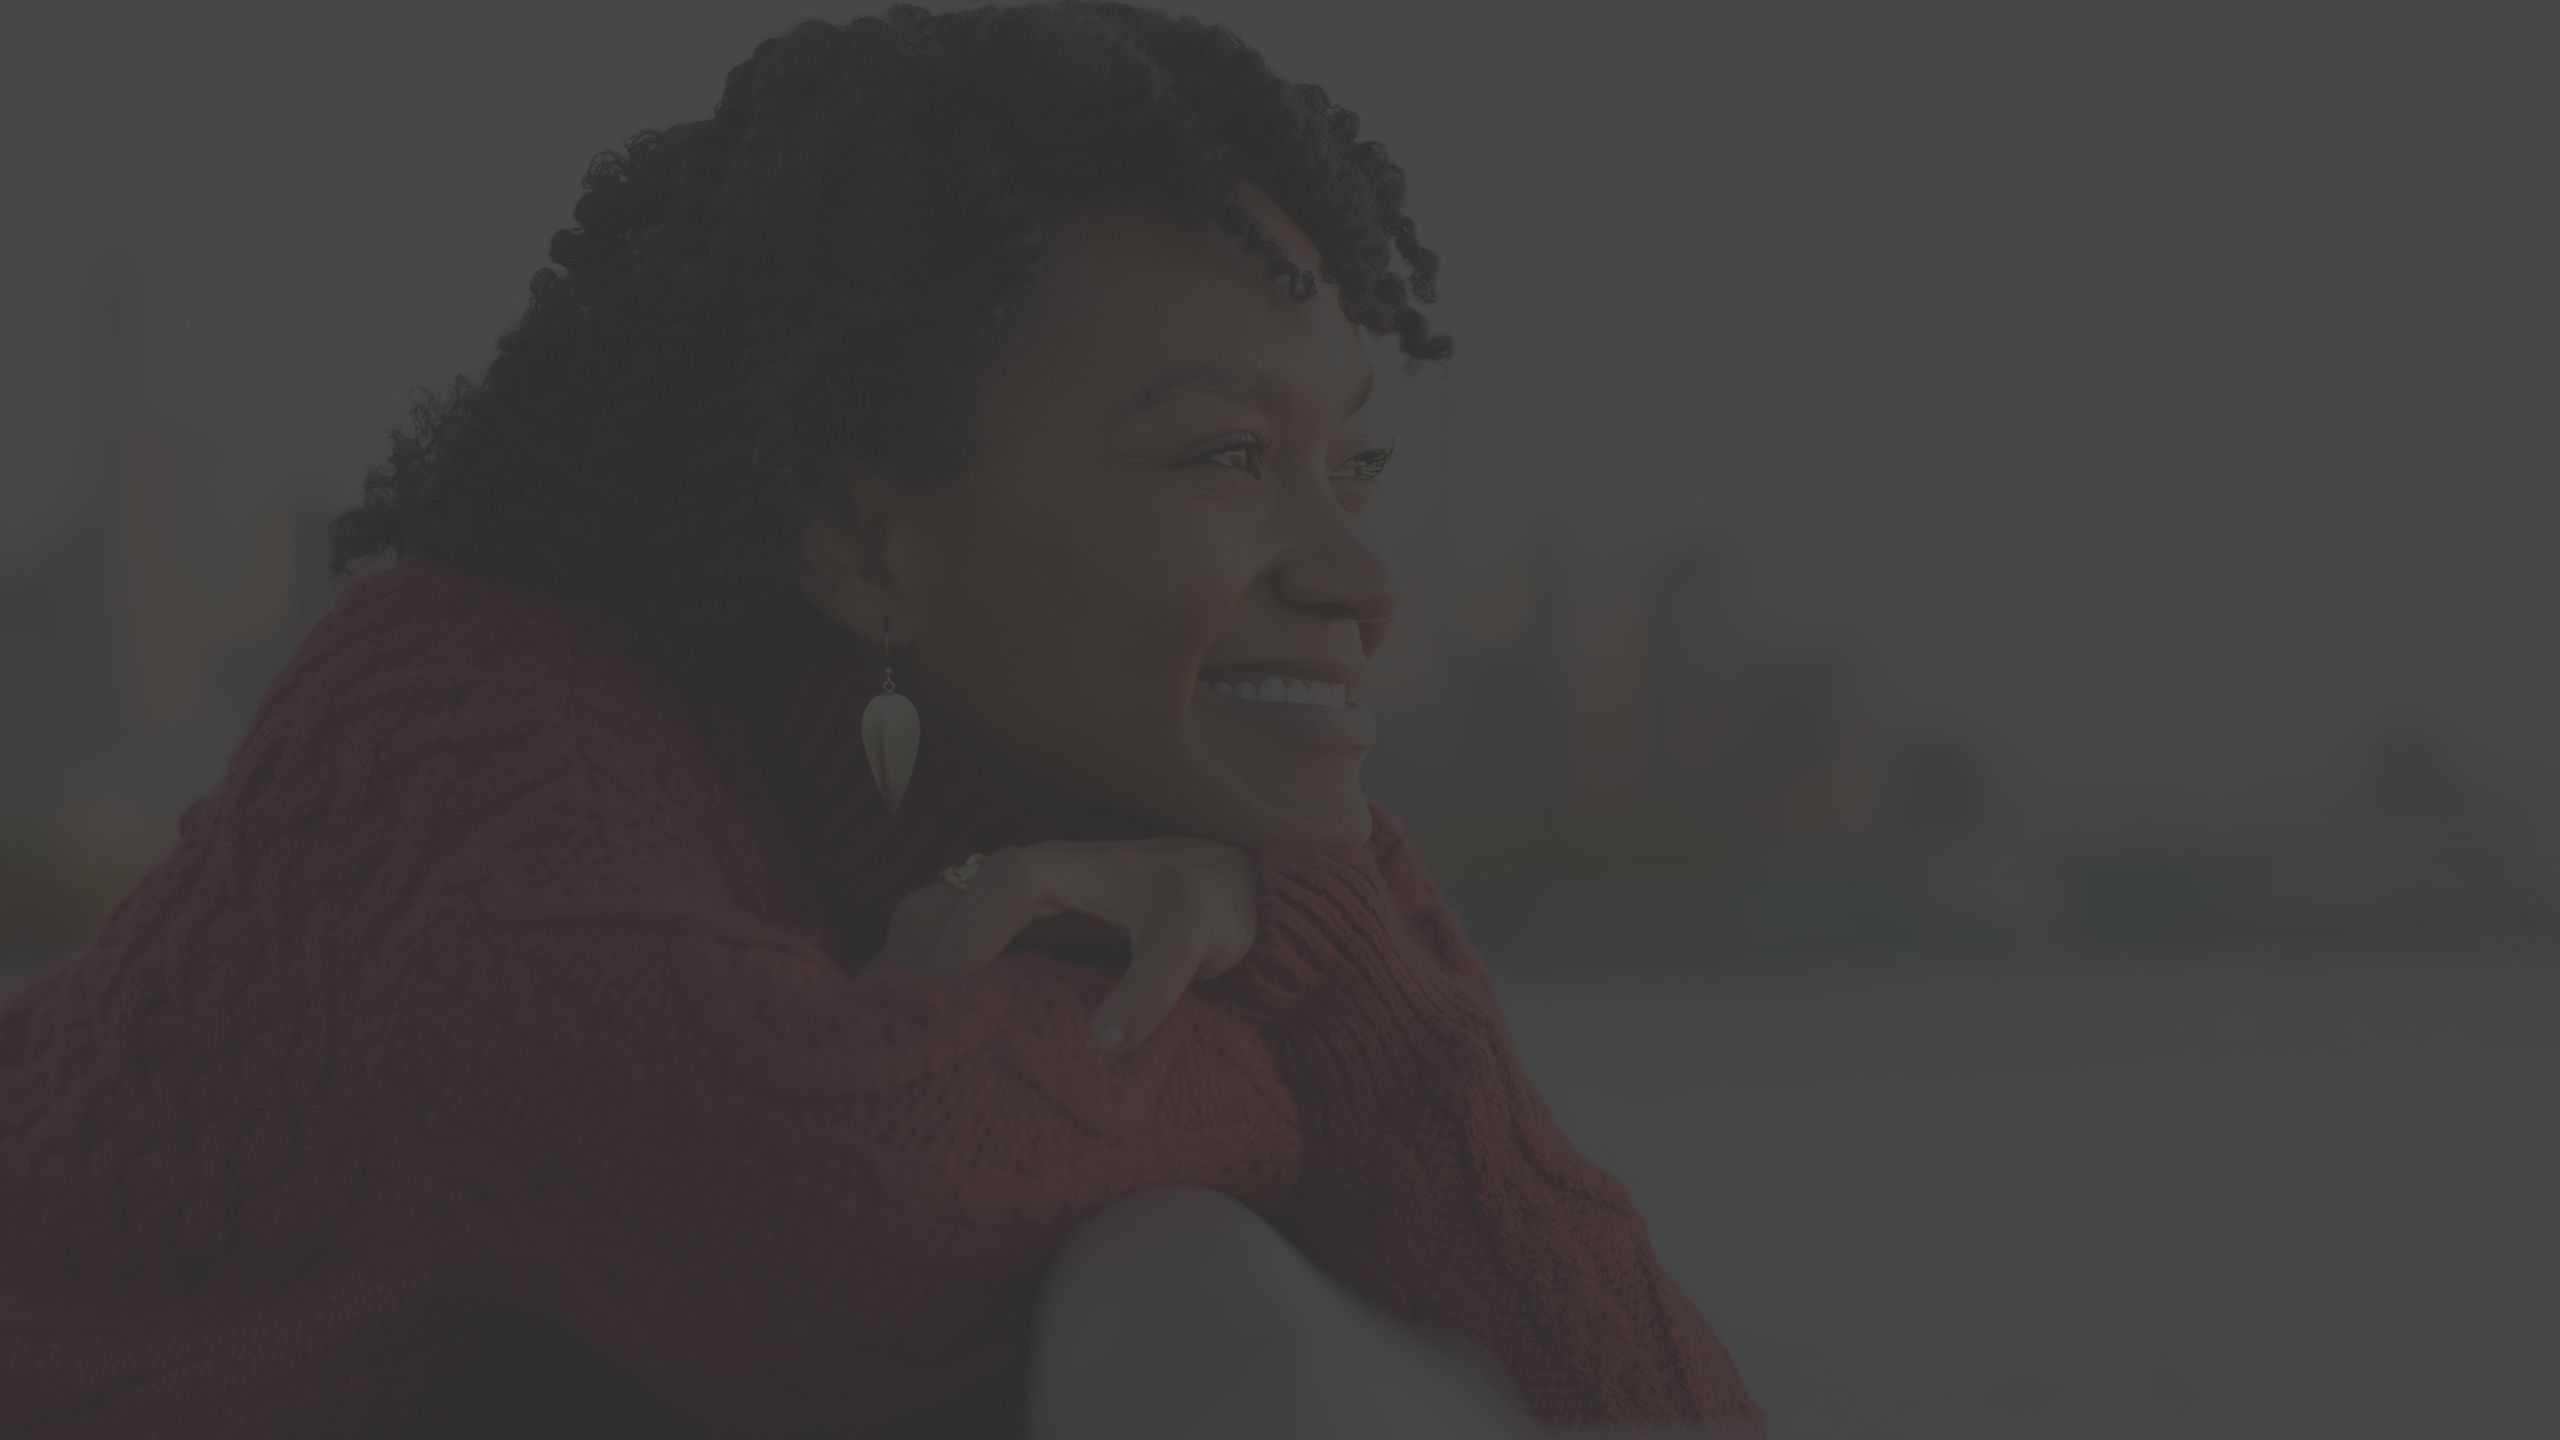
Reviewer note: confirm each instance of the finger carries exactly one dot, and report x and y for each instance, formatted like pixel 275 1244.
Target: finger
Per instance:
pixel 1068 929
pixel 1164 959
pixel 1013 887
pixel 1225 950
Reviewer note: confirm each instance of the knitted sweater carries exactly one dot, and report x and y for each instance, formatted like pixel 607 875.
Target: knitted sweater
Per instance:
pixel 494 1055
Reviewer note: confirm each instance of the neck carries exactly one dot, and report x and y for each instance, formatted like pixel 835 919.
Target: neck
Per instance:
pixel 802 685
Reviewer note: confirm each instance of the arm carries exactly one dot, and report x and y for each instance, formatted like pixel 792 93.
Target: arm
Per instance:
pixel 785 1197
pixel 557 1060
pixel 1439 1184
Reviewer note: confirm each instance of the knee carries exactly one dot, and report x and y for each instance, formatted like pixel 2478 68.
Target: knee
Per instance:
pixel 1167 1282
pixel 1173 1257
pixel 1179 1312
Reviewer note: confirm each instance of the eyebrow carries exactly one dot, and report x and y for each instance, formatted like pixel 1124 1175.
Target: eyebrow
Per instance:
pixel 1259 387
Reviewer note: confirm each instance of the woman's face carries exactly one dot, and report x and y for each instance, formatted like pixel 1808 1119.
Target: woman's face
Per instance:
pixel 1164 497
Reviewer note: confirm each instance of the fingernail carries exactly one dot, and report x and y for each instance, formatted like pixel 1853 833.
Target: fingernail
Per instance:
pixel 1110 1033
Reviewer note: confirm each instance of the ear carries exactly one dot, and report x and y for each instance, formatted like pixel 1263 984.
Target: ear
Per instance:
pixel 858 558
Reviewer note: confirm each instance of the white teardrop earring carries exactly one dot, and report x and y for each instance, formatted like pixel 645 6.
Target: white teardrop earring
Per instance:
pixel 890 731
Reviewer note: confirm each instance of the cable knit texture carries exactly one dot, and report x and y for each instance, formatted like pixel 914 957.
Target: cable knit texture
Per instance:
pixel 494 1055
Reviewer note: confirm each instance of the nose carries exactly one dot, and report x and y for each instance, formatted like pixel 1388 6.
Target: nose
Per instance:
pixel 1334 571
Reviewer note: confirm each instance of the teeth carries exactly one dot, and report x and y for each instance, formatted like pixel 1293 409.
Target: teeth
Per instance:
pixel 1286 690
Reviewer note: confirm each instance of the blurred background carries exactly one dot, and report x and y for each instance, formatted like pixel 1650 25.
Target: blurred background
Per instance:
pixel 1978 631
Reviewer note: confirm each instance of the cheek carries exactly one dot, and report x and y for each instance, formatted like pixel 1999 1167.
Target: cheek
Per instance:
pixel 1079 632
pixel 1123 634
pixel 1141 603
pixel 1199 610
pixel 1152 630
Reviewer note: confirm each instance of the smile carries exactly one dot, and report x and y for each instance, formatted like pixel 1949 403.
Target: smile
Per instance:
pixel 1303 712
pixel 1279 690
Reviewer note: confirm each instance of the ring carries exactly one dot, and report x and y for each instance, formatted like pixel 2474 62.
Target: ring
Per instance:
pixel 958 876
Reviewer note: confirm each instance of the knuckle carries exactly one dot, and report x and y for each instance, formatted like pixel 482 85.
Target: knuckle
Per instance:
pixel 1181 891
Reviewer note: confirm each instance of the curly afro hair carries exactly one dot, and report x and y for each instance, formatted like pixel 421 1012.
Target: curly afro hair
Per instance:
pixel 752 303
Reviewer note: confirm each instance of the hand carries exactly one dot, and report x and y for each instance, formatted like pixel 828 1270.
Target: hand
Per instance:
pixel 1183 907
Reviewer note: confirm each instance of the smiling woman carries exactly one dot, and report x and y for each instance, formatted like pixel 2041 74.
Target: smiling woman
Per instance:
pixel 1113 533
pixel 569 1015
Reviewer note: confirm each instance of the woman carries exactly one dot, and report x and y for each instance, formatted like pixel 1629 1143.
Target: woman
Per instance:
pixel 593 1002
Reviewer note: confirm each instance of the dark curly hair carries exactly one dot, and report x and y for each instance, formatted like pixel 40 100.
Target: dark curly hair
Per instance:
pixel 751 303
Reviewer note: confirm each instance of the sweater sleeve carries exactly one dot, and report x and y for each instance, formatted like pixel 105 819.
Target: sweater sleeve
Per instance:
pixel 578 1072
pixel 786 1197
pixel 1438 1183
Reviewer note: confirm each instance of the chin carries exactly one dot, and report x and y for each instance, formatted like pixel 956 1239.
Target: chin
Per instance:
pixel 1355 826
pixel 1299 805
pixel 1345 822
pixel 1248 819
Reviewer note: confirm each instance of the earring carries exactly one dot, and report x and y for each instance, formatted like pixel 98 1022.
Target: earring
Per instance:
pixel 890 730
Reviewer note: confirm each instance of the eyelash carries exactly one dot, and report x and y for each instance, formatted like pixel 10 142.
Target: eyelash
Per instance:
pixel 1375 461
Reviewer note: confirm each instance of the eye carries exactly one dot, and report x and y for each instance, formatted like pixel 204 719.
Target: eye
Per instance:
pixel 1365 467
pixel 1248 445
pixel 1369 464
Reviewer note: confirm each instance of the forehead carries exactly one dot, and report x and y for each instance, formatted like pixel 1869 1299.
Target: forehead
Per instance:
pixel 1128 287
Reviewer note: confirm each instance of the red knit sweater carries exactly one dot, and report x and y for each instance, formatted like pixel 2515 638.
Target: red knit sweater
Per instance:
pixel 492 1056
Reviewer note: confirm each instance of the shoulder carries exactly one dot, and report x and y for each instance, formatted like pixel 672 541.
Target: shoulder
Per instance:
pixel 470 715
pixel 419 675
pixel 418 643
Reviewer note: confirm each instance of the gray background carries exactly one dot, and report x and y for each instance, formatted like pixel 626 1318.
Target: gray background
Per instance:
pixel 2159 405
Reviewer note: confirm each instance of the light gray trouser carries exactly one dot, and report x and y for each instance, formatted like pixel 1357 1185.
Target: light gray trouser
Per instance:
pixel 1178 1313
